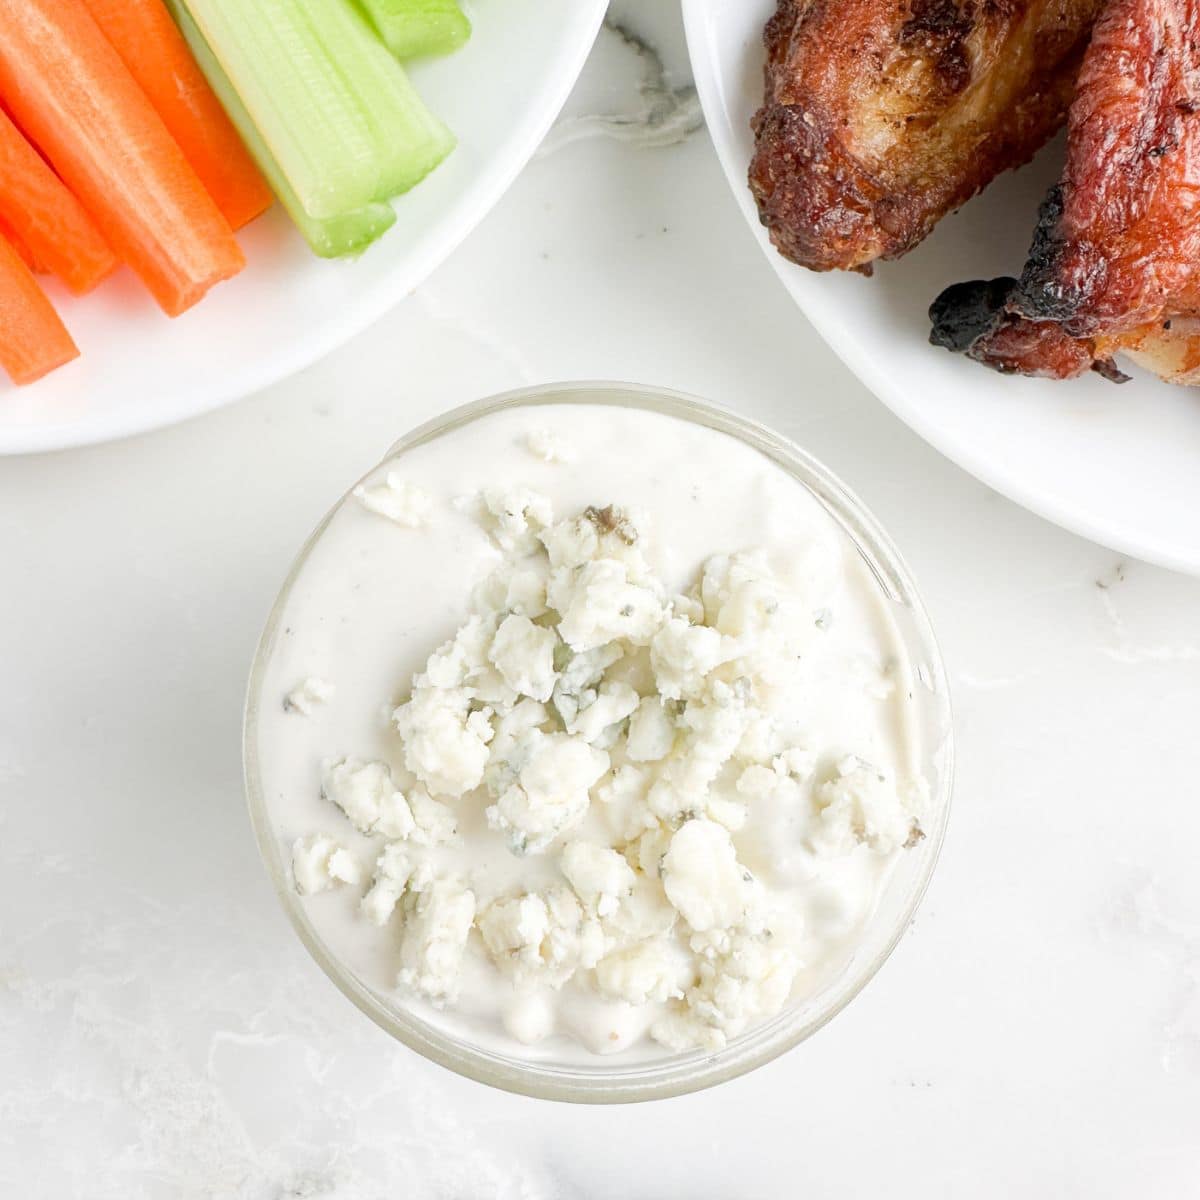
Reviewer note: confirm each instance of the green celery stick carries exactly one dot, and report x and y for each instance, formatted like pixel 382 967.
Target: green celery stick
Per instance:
pixel 331 237
pixel 297 97
pixel 409 140
pixel 413 28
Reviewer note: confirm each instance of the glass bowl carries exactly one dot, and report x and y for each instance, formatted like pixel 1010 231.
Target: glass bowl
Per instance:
pixel 608 1080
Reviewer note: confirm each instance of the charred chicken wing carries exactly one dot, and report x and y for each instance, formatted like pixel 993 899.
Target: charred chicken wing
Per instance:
pixel 1115 261
pixel 881 116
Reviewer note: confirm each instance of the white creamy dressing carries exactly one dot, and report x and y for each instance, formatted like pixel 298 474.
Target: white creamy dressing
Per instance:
pixel 390 580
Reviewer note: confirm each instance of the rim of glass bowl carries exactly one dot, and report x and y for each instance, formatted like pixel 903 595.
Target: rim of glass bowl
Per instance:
pixel 677 1074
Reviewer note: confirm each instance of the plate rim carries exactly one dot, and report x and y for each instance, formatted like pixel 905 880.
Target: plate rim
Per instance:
pixel 1054 508
pixel 494 180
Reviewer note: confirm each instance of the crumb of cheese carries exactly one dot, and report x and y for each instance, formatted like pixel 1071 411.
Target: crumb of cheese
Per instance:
pixel 398 500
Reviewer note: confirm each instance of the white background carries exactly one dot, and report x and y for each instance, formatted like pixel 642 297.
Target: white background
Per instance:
pixel 163 1034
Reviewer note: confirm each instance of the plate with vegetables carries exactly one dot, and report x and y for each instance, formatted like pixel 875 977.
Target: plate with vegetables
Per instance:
pixel 199 197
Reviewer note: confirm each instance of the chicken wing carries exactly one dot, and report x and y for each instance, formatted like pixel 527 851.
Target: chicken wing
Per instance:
pixel 1115 261
pixel 881 116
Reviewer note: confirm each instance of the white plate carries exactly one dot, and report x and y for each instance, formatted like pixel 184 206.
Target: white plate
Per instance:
pixel 138 370
pixel 1120 465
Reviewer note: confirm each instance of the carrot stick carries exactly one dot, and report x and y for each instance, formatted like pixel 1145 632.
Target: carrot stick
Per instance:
pixel 33 340
pixel 14 239
pixel 153 49
pixel 75 98
pixel 43 216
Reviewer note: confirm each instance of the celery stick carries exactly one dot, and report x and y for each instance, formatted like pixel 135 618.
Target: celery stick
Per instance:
pixel 412 28
pixel 297 98
pixel 409 140
pixel 331 237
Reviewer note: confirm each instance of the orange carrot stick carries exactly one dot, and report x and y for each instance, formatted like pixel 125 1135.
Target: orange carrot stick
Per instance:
pixel 43 215
pixel 151 46
pixel 33 340
pixel 75 98
pixel 14 239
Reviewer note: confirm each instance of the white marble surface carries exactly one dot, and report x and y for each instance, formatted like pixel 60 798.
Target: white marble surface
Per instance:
pixel 163 1034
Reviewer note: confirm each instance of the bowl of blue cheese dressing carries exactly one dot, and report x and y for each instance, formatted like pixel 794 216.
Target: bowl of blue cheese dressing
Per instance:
pixel 598 744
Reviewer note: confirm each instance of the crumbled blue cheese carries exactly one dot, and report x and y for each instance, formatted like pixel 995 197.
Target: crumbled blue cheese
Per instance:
pixel 580 676
pixel 396 499
pixel 519 589
pixel 367 794
pixel 703 878
pixel 515 517
pixel 539 938
pixel 713 728
pixel 600 876
pixel 445 741
pixel 434 823
pixel 648 849
pixel 308 695
pixel 397 870
pixel 436 928
pixel 797 761
pixel 606 708
pixel 651 731
pixel 319 863
pixel 647 747
pixel 551 792
pixel 682 656
pixel 549 446
pixel 861 806
pixel 600 603
pixel 651 970
pixel 621 797
pixel 749 981
pixel 523 653
pixel 515 931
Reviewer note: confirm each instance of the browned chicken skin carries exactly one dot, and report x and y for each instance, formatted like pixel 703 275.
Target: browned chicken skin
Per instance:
pixel 1115 261
pixel 881 116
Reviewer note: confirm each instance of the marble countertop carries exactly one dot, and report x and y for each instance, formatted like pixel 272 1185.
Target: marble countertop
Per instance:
pixel 162 1033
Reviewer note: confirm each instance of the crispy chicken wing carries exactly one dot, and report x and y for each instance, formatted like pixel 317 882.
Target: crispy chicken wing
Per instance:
pixel 881 116
pixel 1115 261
